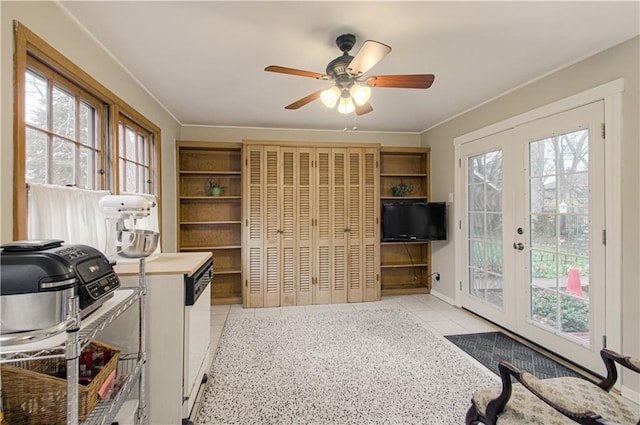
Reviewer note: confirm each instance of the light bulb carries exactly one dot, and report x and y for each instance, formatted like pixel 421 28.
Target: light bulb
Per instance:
pixel 360 94
pixel 346 105
pixel 330 96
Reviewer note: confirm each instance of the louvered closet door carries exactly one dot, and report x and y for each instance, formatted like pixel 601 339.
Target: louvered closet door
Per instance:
pixel 272 234
pixel 303 226
pixel 363 226
pixel 339 226
pixel 288 220
pixel 371 225
pixel 354 226
pixel 331 195
pixel 323 229
pixel 253 211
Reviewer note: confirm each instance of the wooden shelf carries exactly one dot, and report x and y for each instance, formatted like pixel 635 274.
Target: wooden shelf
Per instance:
pixel 209 248
pixel 211 198
pixel 406 291
pixel 404 265
pixel 226 301
pixel 403 175
pixel 211 172
pixel 204 219
pixel 221 270
pixel 186 223
pixel 403 198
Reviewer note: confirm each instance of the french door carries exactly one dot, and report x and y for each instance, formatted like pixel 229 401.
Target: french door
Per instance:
pixel 534 222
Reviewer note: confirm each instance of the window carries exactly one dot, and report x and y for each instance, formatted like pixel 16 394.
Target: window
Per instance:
pixel 70 130
pixel 134 158
pixel 62 131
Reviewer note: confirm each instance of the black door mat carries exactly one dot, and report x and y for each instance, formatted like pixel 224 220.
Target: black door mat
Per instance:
pixel 489 348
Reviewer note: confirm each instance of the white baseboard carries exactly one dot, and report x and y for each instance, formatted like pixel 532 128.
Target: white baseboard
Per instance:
pixel 630 394
pixel 443 297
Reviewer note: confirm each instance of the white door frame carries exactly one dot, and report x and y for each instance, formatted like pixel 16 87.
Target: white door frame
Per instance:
pixel 611 94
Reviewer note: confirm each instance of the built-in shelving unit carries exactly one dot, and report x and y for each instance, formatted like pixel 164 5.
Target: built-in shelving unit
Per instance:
pixel 212 223
pixel 405 266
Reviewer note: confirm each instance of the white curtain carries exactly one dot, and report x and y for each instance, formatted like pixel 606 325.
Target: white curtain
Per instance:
pixel 67 213
pixel 73 215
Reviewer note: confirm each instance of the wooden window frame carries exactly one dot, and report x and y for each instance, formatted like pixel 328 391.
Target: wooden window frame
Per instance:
pixel 147 162
pixel 57 80
pixel 28 44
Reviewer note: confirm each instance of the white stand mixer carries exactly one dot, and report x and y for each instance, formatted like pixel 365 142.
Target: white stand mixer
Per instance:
pixel 125 243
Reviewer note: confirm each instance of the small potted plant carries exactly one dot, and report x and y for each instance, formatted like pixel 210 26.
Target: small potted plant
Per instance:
pixel 214 188
pixel 401 189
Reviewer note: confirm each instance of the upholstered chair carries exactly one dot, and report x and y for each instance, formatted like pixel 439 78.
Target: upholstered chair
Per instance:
pixel 555 401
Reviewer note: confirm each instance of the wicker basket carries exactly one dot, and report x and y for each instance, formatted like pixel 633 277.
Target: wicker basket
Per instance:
pixel 31 396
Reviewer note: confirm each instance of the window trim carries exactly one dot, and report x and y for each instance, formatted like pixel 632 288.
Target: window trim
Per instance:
pixel 37 67
pixel 27 43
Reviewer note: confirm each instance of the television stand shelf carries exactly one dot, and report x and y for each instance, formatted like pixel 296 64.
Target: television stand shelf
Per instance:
pixel 405 267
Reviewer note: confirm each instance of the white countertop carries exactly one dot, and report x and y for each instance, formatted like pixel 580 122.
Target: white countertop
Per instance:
pixel 186 263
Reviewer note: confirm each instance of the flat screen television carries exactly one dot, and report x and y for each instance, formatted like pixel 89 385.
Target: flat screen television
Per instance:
pixel 414 221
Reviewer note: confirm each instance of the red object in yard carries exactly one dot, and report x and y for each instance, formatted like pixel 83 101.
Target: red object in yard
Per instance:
pixel 574 287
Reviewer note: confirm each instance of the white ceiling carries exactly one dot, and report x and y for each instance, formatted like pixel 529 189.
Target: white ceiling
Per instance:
pixel 204 61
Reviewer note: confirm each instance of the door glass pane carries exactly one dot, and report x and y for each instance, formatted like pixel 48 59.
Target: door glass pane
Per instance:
pixel 559 233
pixel 484 186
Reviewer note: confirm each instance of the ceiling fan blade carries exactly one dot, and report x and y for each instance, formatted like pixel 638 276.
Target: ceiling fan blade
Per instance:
pixel 370 54
pixel 301 102
pixel 418 81
pixel 298 72
pixel 364 109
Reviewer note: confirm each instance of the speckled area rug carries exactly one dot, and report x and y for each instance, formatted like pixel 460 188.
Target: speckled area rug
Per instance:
pixel 363 367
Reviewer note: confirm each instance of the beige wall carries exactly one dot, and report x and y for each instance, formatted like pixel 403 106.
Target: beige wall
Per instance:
pixel 52 24
pixel 621 61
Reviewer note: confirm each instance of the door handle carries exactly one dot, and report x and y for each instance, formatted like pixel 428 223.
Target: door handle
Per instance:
pixel 519 246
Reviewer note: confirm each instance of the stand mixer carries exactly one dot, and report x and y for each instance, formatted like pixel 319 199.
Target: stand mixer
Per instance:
pixel 124 241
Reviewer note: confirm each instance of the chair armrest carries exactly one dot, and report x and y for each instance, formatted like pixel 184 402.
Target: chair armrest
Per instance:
pixel 609 357
pixel 497 405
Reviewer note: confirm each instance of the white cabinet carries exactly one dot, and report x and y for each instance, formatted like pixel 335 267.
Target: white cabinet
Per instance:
pixel 178 334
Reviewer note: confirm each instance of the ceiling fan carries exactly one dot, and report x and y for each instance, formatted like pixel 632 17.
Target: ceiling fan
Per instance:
pixel 351 91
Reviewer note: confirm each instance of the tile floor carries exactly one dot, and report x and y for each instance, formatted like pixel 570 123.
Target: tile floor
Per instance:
pixel 429 311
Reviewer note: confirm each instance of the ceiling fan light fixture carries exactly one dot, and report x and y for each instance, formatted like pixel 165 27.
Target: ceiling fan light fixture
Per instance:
pixel 360 94
pixel 346 105
pixel 330 96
